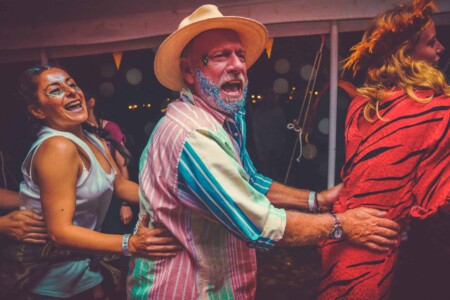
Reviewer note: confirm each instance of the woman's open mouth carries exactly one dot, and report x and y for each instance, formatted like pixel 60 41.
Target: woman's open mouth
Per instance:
pixel 74 106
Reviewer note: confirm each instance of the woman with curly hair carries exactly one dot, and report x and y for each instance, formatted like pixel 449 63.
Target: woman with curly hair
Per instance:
pixel 397 144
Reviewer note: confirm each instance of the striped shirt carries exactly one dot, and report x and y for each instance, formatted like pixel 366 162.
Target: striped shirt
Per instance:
pixel 197 179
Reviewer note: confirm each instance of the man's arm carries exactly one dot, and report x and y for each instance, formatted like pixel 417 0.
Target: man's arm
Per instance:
pixel 364 226
pixel 9 199
pixel 284 196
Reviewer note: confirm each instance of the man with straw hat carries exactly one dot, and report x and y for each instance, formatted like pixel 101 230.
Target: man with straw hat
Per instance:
pixel 198 181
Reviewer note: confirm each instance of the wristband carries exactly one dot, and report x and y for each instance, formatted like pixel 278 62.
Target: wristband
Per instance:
pixel 316 202
pixel 312 202
pixel 125 249
pixel 124 203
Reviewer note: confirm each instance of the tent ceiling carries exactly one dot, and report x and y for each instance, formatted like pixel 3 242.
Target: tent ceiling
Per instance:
pixel 82 27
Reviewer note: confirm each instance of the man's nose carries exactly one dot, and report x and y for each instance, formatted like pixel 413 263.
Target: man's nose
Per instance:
pixel 236 63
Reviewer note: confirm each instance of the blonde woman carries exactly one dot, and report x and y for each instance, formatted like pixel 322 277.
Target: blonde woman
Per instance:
pixel 397 144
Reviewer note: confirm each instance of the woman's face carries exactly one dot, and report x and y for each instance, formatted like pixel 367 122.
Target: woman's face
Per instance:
pixel 61 102
pixel 428 47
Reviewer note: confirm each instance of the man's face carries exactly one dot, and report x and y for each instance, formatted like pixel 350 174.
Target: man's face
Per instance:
pixel 428 47
pixel 218 69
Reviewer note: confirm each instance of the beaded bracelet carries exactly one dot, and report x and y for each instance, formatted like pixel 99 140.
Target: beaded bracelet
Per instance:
pixel 125 249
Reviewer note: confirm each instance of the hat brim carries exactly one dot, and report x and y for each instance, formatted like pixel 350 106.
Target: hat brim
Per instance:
pixel 252 34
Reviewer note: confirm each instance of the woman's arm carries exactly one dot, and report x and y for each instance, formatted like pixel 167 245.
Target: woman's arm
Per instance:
pixel 57 183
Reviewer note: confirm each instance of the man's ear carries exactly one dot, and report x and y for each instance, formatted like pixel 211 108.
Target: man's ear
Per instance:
pixel 187 71
pixel 36 111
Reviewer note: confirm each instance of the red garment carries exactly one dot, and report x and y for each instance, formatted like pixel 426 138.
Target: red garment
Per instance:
pixel 401 165
pixel 114 131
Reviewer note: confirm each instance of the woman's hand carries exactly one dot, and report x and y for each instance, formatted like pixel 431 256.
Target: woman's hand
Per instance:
pixel 126 214
pixel 24 225
pixel 153 243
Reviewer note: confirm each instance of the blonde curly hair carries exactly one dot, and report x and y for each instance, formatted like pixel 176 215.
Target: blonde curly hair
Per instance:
pixel 385 54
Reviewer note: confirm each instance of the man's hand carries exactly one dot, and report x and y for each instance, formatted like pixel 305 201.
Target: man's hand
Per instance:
pixel 126 214
pixel 368 227
pixel 24 225
pixel 153 243
pixel 327 198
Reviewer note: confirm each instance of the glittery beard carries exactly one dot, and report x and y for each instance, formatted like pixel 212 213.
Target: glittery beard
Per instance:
pixel 210 93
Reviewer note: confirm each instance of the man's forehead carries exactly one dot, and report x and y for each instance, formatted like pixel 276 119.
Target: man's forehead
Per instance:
pixel 216 38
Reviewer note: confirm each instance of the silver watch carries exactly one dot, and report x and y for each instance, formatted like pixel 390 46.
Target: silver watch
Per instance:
pixel 337 232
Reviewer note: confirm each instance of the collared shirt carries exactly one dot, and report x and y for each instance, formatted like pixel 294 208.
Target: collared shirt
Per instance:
pixel 197 179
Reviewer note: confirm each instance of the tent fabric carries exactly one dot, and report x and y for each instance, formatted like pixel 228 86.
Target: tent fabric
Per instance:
pixel 66 28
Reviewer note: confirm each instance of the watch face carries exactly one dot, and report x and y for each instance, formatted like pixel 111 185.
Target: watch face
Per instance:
pixel 337 232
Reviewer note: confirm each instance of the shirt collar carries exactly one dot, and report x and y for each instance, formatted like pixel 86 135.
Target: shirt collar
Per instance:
pixel 187 96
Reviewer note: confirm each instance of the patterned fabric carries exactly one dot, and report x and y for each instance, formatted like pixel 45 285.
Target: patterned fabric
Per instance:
pixel 400 165
pixel 197 180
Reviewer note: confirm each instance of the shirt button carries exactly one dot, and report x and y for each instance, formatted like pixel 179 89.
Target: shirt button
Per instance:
pixel 235 134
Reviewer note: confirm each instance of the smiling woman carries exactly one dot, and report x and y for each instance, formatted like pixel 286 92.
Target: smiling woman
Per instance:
pixel 73 194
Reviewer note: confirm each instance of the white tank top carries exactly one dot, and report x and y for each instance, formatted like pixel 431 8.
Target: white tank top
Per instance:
pixel 93 195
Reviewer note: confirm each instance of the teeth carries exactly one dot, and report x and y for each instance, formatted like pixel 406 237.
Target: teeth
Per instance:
pixel 73 104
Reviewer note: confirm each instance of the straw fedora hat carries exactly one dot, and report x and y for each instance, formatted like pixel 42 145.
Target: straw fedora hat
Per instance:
pixel 252 34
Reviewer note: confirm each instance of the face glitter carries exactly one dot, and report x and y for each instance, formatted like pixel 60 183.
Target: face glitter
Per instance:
pixel 210 93
pixel 205 59
pixel 59 91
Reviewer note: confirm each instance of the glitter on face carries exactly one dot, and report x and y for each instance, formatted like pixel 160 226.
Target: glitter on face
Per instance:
pixel 210 93
pixel 59 91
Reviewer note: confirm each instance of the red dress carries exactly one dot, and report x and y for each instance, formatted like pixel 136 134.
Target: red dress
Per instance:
pixel 401 165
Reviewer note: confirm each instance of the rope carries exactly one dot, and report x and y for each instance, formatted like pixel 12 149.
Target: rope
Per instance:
pixel 295 125
pixel 3 169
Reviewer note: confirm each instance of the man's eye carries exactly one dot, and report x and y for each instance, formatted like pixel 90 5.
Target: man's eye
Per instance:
pixel 219 56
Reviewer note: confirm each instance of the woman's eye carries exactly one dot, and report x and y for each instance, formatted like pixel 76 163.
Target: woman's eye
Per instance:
pixel 56 92
pixel 74 86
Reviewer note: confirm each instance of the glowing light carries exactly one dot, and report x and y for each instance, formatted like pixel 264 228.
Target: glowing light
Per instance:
pixel 259 97
pixel 282 66
pixel 253 96
pixel 253 101
pixel 106 89
pixel 280 86
pixel 309 151
pixel 290 97
pixel 293 88
pixel 316 93
pixel 163 110
pixel 134 76
pixel 324 126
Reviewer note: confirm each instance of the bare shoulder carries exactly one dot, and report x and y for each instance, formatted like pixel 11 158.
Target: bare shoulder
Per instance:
pixel 56 148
